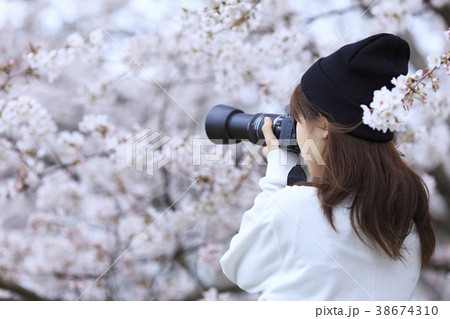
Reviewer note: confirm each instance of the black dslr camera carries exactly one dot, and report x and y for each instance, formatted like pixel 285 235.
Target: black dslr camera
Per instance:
pixel 226 125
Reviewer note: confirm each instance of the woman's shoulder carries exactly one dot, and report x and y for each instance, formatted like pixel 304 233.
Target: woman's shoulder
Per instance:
pixel 297 207
pixel 294 197
pixel 299 192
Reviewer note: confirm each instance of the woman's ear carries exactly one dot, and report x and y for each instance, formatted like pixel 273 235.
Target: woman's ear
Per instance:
pixel 324 126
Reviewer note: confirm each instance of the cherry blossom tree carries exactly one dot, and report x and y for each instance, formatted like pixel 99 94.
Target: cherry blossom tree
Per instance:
pixel 80 79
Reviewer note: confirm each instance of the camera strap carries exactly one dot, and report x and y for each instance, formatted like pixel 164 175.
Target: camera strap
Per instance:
pixel 296 174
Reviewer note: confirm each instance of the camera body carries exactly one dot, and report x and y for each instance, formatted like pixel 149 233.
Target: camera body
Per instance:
pixel 225 125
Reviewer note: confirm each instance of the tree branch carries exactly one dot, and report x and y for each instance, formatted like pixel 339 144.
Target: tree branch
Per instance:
pixel 333 12
pixel 443 187
pixel 443 11
pixel 21 291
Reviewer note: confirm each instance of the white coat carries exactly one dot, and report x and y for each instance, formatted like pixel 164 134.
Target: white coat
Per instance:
pixel 287 250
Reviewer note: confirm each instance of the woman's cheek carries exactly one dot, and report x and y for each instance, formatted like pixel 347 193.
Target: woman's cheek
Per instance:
pixel 300 136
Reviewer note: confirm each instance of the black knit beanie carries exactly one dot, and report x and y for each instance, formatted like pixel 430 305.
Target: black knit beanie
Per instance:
pixel 339 83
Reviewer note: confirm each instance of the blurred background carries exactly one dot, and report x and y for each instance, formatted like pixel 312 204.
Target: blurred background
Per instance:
pixel 80 78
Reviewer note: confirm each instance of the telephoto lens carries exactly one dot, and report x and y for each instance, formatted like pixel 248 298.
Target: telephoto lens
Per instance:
pixel 227 125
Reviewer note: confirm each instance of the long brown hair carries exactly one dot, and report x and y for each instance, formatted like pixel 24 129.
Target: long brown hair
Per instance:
pixel 388 196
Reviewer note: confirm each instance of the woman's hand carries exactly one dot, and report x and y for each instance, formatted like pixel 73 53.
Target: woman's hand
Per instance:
pixel 271 140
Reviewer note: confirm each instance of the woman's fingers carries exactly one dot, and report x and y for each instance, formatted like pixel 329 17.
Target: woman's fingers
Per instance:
pixel 271 140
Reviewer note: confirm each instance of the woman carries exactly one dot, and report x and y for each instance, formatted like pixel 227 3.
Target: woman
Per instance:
pixel 360 229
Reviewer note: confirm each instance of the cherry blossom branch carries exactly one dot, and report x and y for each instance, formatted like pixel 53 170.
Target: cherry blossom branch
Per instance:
pixel 245 16
pixel 26 294
pixel 414 87
pixel 6 69
pixel 333 12
pixel 12 147
pixel 387 107
pixel 199 295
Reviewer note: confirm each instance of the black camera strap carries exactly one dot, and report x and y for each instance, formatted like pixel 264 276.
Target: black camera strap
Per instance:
pixel 296 174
